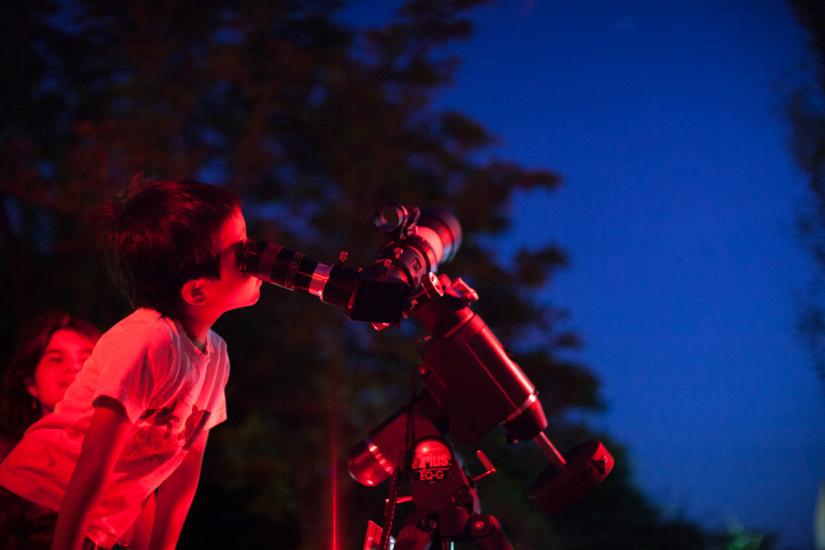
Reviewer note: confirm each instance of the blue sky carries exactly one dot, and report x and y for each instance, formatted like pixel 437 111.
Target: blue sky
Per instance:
pixel 677 211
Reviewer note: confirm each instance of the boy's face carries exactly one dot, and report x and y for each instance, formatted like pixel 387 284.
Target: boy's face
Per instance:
pixel 234 288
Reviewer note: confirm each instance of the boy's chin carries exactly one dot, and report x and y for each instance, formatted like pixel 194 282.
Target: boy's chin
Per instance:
pixel 251 301
pixel 256 295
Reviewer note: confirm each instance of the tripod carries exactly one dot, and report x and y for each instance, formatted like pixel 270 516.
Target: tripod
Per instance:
pixel 447 505
pixel 471 385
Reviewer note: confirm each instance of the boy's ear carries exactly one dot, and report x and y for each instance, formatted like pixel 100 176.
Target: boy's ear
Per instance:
pixel 193 292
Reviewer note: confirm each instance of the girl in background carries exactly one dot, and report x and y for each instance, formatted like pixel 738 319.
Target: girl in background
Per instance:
pixel 51 352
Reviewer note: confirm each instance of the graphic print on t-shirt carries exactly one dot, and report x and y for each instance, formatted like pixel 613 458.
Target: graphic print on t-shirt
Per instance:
pixel 194 426
pixel 152 439
pixel 164 416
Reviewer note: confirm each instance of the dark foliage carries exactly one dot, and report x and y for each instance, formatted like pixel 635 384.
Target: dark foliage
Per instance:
pixel 805 112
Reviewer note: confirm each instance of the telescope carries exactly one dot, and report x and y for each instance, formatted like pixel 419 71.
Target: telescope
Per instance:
pixel 420 240
pixel 470 383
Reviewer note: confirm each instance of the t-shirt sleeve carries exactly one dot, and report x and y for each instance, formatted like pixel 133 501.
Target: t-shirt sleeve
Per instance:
pixel 218 407
pixel 131 367
pixel 218 414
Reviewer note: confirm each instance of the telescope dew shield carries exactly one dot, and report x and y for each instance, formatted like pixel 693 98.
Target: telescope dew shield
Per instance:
pixel 441 226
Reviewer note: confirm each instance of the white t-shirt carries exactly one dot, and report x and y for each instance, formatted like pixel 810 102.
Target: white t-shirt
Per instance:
pixel 171 392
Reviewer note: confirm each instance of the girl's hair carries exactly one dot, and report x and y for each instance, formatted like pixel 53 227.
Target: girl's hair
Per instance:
pixel 18 409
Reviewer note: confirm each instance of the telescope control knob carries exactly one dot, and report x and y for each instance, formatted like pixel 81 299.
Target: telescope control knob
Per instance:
pixel 465 291
pixel 432 286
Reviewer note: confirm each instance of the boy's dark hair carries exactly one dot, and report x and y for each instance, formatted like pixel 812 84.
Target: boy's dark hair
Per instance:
pixel 162 234
pixel 18 409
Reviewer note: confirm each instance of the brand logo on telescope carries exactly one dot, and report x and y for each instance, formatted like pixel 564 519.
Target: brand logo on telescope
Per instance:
pixel 432 460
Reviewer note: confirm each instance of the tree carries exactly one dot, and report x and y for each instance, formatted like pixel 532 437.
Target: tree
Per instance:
pixel 314 125
pixel 805 112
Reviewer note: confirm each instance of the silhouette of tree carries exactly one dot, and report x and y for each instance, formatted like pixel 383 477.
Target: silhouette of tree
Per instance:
pixel 314 124
pixel 805 111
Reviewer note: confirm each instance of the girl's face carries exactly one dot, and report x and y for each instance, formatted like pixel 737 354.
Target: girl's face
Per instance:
pixel 58 366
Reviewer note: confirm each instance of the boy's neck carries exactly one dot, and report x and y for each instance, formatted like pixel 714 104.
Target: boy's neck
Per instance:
pixel 196 328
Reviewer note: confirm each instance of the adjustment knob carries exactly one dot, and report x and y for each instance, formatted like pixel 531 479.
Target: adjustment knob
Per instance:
pixel 432 286
pixel 466 291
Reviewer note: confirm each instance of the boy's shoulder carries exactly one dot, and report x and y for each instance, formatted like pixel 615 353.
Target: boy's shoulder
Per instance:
pixel 216 342
pixel 150 330
pixel 142 327
pixel 142 319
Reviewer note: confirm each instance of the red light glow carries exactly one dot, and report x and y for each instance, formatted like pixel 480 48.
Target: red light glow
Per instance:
pixel 333 459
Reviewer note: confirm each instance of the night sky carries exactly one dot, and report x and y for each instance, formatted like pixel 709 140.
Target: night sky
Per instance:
pixel 677 211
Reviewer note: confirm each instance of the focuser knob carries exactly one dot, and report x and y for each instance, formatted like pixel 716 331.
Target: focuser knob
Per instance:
pixel 432 287
pixel 465 291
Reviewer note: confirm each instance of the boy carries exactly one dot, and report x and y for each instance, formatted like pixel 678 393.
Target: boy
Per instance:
pixel 131 431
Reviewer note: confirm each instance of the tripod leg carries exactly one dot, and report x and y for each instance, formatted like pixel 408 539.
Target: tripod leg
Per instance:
pixel 487 533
